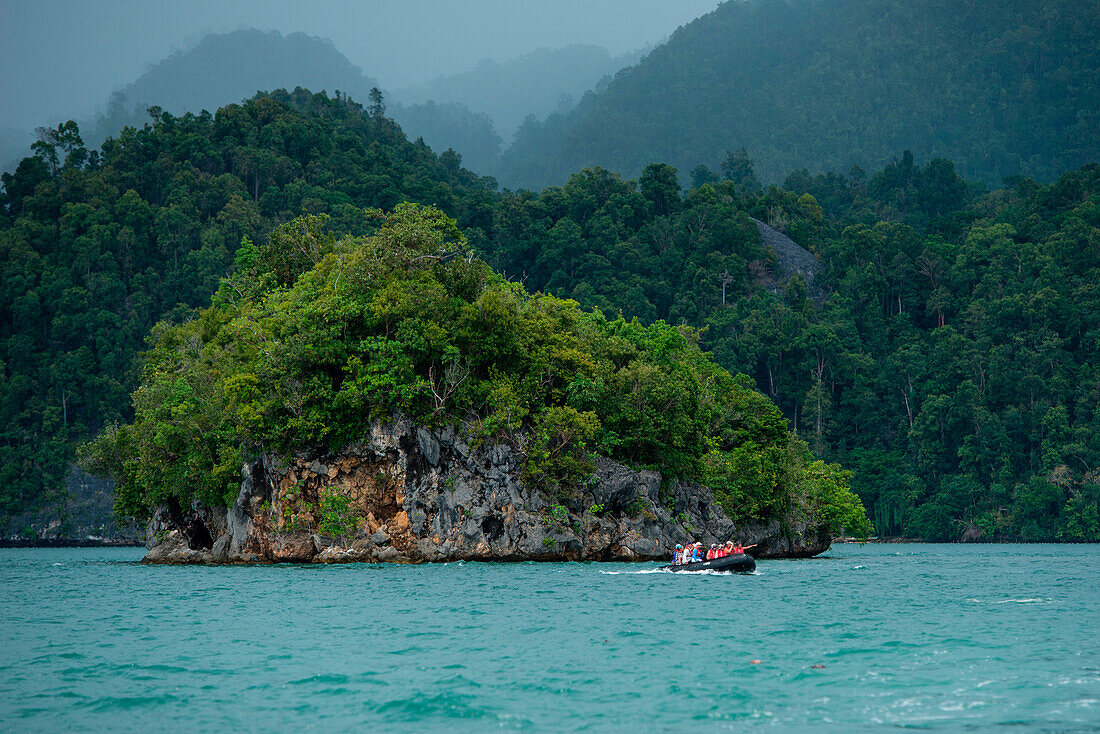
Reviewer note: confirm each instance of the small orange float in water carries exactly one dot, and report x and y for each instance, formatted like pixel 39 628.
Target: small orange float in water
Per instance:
pixel 754 662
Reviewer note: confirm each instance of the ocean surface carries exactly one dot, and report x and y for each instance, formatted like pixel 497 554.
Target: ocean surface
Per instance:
pixel 927 637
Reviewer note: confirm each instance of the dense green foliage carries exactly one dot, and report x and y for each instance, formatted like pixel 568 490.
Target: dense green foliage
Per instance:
pixel 97 246
pixel 312 339
pixel 632 246
pixel 1001 87
pixel 955 367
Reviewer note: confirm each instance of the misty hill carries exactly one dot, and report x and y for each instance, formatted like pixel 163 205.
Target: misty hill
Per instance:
pixel 1001 87
pixel 455 126
pixel 14 144
pixel 539 83
pixel 227 67
pixel 475 112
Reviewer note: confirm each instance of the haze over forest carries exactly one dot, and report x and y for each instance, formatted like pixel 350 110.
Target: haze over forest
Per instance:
pixel 61 61
pixel 882 212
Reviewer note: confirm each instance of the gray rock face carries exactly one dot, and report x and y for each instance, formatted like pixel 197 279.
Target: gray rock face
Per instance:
pixel 793 259
pixel 409 494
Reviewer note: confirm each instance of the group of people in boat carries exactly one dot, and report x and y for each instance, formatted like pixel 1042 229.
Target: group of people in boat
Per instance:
pixel 694 553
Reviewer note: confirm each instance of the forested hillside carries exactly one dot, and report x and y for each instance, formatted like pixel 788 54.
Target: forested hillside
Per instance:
pixel 955 366
pixel 97 246
pixel 953 363
pixel 224 68
pixel 315 335
pixel 1001 87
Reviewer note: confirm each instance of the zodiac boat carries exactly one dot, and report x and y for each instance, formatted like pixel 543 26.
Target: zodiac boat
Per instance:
pixel 740 563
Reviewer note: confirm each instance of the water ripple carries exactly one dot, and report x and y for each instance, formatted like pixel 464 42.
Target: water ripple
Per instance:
pixel 944 638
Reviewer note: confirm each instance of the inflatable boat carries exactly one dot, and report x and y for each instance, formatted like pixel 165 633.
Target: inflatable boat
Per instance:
pixel 740 563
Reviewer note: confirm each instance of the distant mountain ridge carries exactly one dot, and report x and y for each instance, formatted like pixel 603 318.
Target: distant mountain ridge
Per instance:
pixel 227 67
pixel 1001 87
pixel 537 83
pixel 467 112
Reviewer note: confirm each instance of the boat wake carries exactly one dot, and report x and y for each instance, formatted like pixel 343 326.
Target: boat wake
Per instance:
pixel 1036 600
pixel 700 572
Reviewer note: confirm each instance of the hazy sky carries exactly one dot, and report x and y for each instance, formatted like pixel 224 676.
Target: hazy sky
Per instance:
pixel 61 58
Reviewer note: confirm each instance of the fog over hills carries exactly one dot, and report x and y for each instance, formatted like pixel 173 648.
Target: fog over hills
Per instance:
pixel 465 111
pixel 221 69
pixel 539 83
pixel 228 67
pixel 61 60
pixel 1001 87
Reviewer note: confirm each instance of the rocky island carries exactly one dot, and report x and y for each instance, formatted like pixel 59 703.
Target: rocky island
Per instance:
pixel 411 494
pixel 390 398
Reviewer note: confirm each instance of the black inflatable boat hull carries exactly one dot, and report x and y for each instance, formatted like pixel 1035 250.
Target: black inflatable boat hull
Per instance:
pixel 743 563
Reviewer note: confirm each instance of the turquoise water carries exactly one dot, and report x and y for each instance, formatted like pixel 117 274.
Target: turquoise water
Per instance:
pixel 936 637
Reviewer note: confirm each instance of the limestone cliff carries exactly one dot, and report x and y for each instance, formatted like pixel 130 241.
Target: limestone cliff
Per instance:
pixel 410 494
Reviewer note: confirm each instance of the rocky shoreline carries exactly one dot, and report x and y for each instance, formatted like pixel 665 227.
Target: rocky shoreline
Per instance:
pixel 409 494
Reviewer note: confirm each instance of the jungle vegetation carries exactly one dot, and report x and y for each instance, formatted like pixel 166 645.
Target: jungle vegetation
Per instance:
pixel 954 364
pixel 98 246
pixel 313 337
pixel 951 363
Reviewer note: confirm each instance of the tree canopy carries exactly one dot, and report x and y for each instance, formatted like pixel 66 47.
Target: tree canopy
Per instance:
pixel 953 365
pixel 303 352
pixel 98 246
pixel 946 352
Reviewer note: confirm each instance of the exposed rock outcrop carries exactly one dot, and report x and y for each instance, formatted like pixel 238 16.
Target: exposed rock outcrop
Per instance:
pixel 793 260
pixel 408 494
